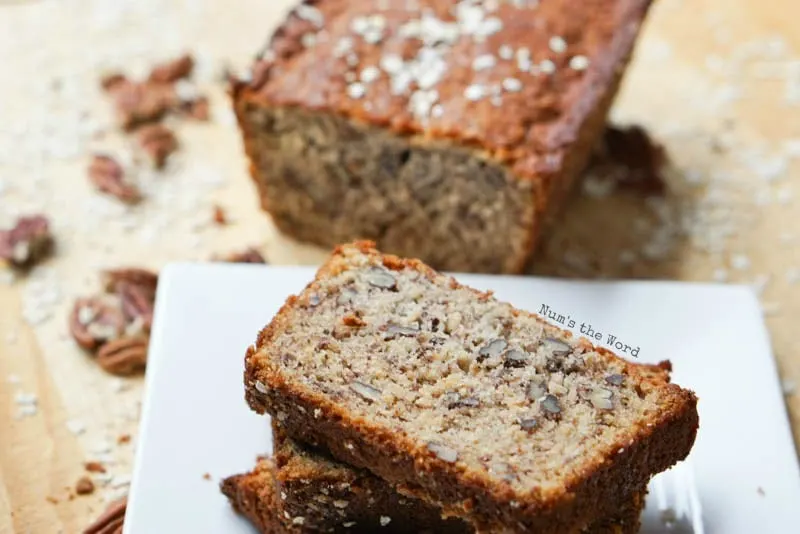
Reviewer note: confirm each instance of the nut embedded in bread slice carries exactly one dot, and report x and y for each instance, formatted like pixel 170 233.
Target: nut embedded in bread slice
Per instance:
pixel 467 402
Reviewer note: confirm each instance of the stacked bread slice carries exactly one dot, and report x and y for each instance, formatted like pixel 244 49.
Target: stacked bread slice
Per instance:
pixel 406 402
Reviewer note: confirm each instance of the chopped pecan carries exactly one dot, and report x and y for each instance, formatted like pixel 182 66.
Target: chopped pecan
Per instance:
pixel 94 467
pixel 110 521
pixel 84 486
pixel 354 321
pixel 197 108
pixel 94 322
pixel 260 73
pixel 219 215
pixel 27 242
pixel 107 176
pixel 173 70
pixel 141 103
pixel 137 306
pixel 158 142
pixel 124 356
pixel 249 255
pixel 631 158
pixel 111 80
pixel 132 275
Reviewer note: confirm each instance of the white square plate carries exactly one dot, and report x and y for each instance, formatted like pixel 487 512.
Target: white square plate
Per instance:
pixel 195 419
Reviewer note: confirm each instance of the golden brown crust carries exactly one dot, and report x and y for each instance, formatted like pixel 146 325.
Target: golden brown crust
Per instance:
pixel 256 496
pixel 592 492
pixel 253 495
pixel 312 484
pixel 543 118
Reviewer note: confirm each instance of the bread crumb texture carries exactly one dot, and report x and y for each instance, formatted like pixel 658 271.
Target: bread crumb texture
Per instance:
pixel 474 381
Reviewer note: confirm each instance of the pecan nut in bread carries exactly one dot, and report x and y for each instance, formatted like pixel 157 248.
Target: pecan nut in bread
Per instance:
pixel 483 409
pixel 433 126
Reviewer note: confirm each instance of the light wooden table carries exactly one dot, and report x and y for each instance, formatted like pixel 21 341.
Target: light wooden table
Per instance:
pixel 717 81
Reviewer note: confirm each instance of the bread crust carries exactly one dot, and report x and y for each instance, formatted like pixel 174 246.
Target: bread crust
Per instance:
pixel 543 134
pixel 253 495
pixel 268 498
pixel 593 491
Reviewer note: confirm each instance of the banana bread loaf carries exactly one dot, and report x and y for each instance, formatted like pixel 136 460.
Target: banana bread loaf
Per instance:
pixel 444 130
pixel 304 490
pixel 467 402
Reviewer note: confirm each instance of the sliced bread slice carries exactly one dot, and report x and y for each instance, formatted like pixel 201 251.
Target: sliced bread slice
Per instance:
pixel 319 494
pixel 467 402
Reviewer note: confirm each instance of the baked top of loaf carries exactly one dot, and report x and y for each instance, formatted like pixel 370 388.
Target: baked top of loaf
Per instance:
pixel 515 78
pixel 494 398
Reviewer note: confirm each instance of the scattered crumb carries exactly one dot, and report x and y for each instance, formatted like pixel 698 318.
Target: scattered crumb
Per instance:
pixel 760 491
pixel 118 385
pixel 770 308
pixel 720 275
pixel 115 495
pixel 249 255
pixel 206 476
pixel 26 411
pixel 84 486
pixel 120 481
pixel 94 467
pixel 11 337
pixel 789 387
pixel 76 427
pixel 740 262
pixel 124 438
pixel 26 399
pixel 760 283
pixel 52 500
pixel 101 447
pixel 219 215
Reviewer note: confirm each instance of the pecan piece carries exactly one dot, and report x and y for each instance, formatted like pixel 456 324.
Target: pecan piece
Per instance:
pixel 219 216
pixel 94 322
pixel 249 255
pixel 197 108
pixel 111 80
pixel 158 142
pixel 137 306
pixel 353 320
pixel 27 242
pixel 132 275
pixel 173 70
pixel 141 103
pixel 107 176
pixel 84 486
pixel 124 356
pixel 110 521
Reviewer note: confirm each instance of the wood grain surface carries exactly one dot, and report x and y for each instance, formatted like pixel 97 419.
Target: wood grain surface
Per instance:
pixel 717 82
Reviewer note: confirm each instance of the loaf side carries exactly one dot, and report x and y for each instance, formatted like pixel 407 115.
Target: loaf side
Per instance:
pixel 434 126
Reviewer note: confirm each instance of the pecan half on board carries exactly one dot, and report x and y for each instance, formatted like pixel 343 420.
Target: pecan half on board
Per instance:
pixel 107 176
pixel 111 520
pixel 115 326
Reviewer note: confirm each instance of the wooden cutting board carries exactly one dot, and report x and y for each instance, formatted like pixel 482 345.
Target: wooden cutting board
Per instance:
pixel 718 82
